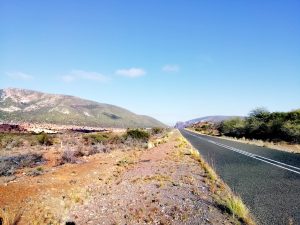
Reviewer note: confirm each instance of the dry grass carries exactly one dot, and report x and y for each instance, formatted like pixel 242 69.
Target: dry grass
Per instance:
pixel 53 209
pixel 282 146
pixel 224 197
pixel 125 162
pixel 159 179
pixel 235 206
pixel 194 154
pixel 9 217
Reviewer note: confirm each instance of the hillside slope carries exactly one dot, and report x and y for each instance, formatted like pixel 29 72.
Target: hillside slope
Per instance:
pixel 20 105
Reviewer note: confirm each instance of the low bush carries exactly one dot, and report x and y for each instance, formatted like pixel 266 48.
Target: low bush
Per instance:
pixel 117 139
pixel 9 165
pixel 138 134
pixel 99 148
pixel 7 168
pixel 157 130
pixel 95 138
pixel 35 172
pixel 70 156
pixel 9 141
pixel 44 139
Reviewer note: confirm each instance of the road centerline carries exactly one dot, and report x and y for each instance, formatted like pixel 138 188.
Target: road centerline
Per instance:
pixel 251 155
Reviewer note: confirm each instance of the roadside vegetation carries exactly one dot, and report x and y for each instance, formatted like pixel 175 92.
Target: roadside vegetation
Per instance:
pixel 279 130
pixel 136 176
pixel 223 196
pixel 207 128
pixel 9 141
pixel 19 150
pixel 9 165
pixel 264 125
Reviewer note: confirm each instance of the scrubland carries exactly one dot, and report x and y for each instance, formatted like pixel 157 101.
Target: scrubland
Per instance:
pixel 136 177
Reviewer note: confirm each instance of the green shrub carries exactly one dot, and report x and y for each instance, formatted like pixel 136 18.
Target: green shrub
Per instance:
pixel 291 131
pixel 95 138
pixel 157 130
pixel 261 124
pixel 44 139
pixel 138 134
pixel 233 127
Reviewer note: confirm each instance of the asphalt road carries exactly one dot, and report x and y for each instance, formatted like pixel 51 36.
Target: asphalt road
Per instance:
pixel 267 180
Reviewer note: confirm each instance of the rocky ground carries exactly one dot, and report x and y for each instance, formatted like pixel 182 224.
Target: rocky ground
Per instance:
pixel 159 185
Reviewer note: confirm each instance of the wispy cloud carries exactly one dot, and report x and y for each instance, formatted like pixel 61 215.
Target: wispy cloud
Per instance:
pixel 17 75
pixel 84 75
pixel 131 72
pixel 170 68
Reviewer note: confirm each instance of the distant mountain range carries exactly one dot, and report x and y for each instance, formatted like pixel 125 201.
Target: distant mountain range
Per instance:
pixel 20 105
pixel 213 119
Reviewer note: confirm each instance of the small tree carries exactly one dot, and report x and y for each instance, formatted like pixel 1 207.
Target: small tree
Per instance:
pixel 291 131
pixel 138 134
pixel 44 139
pixel 233 127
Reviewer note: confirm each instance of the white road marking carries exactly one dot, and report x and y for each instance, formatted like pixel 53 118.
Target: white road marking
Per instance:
pixel 281 165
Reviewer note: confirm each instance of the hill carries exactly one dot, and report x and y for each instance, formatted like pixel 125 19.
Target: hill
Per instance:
pixel 213 119
pixel 20 105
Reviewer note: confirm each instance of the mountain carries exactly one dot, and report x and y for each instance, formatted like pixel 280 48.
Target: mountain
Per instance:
pixel 20 105
pixel 213 119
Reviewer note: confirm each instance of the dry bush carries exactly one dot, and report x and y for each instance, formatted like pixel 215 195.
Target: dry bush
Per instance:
pixel 157 130
pixel 70 156
pixel 8 165
pixel 9 141
pixel 98 148
pixel 7 168
pixel 35 172
pixel 131 142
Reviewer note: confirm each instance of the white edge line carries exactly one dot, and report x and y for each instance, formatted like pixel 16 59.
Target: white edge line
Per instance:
pixel 250 154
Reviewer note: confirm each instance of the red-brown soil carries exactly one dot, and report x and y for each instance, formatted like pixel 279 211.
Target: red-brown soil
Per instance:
pixel 154 186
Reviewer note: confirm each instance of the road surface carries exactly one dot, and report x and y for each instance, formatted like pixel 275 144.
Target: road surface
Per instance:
pixel 267 180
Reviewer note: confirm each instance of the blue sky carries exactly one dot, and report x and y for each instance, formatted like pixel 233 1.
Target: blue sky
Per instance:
pixel 174 60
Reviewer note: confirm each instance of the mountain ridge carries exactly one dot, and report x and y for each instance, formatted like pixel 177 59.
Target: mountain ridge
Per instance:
pixel 214 119
pixel 23 105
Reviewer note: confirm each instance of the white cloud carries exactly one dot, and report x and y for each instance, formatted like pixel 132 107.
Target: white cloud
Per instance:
pixel 84 75
pixel 170 68
pixel 19 75
pixel 131 72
